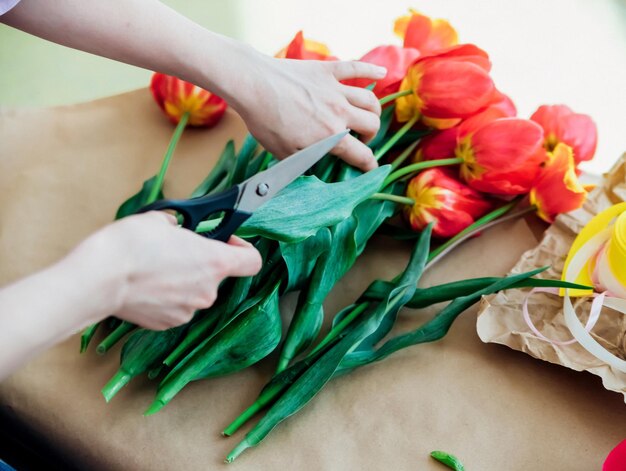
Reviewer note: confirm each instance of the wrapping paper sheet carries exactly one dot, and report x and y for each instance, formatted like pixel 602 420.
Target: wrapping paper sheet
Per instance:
pixel 500 320
pixel 63 173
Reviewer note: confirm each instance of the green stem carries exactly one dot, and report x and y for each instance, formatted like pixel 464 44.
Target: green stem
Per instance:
pixel 111 339
pixel 87 335
pixel 396 137
pixel 340 326
pixel 394 198
pixel 158 184
pixel 238 450
pixel 258 405
pixel 117 382
pixel 196 332
pixel 419 166
pixel 386 99
pixel 405 154
pixel 478 224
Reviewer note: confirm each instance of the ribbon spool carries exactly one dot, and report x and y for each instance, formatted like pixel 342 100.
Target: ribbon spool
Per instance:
pixel 597 258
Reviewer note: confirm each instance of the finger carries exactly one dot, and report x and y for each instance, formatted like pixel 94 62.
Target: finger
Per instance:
pixel 170 218
pixel 365 123
pixel 240 260
pixel 354 152
pixel 239 242
pixel 355 69
pixel 362 98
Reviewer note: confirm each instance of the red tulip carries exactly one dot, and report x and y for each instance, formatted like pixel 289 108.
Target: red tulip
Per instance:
pixel 395 59
pixel 557 189
pixel 503 103
pixel 447 86
pixel 177 97
pixel 616 461
pixel 442 144
pixel 424 34
pixel 436 146
pixel 441 198
pixel 501 156
pixel 300 48
pixel 561 124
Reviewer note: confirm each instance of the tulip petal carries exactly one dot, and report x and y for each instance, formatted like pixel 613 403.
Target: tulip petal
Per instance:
pixel 305 49
pixel 453 89
pixel 177 97
pixel 425 34
pixel 395 59
pixel 557 189
pixel 441 198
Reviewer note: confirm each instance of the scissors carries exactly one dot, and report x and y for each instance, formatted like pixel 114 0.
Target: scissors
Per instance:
pixel 239 202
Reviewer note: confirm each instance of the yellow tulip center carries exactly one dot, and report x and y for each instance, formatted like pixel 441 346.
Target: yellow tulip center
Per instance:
pixel 470 167
pixel 550 142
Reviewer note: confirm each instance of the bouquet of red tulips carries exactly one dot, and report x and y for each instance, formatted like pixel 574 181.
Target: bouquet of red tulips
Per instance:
pixel 453 157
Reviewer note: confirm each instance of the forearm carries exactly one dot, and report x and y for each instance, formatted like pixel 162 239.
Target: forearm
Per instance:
pixel 47 307
pixel 144 33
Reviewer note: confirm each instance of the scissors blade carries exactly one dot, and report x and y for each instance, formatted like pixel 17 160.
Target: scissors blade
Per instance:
pixel 262 187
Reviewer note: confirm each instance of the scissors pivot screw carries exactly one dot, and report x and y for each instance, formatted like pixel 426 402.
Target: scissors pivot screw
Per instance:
pixel 262 189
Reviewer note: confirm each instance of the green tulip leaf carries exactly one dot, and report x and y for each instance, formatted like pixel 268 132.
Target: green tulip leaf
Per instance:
pixel 251 335
pixel 138 200
pixel 300 257
pixel 307 384
pixel 308 204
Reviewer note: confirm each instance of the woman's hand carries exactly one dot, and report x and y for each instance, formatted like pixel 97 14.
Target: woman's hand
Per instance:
pixel 164 273
pixel 290 104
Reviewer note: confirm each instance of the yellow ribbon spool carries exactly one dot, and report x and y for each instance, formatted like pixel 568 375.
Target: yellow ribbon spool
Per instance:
pixel 615 250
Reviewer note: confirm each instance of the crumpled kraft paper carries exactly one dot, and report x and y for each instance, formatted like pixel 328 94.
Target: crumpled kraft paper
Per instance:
pixel 500 316
pixel 64 171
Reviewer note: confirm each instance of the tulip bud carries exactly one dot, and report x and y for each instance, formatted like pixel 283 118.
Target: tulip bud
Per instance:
pixel 557 189
pixel 177 97
pixel 501 156
pixel 447 86
pixel 425 34
pixel 561 124
pixel 444 200
pixel 305 49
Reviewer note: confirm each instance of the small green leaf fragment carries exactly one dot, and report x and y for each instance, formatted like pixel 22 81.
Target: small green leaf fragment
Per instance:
pixel 447 459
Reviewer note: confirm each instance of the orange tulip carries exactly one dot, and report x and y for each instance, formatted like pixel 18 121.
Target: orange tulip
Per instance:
pixel 395 59
pixel 424 34
pixel 557 189
pixel 447 87
pixel 501 156
pixel 561 124
pixel 300 48
pixel 441 198
pixel 177 97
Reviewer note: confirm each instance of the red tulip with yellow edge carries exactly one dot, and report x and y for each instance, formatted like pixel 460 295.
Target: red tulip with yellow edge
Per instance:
pixel 446 87
pixel 425 34
pixel 305 49
pixel 441 198
pixel 395 59
pixel 177 98
pixel 561 124
pixel 500 156
pixel 557 189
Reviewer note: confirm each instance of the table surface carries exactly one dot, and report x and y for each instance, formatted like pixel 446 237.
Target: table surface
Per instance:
pixel 494 408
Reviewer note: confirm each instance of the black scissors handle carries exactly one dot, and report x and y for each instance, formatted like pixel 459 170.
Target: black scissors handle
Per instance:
pixel 196 210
